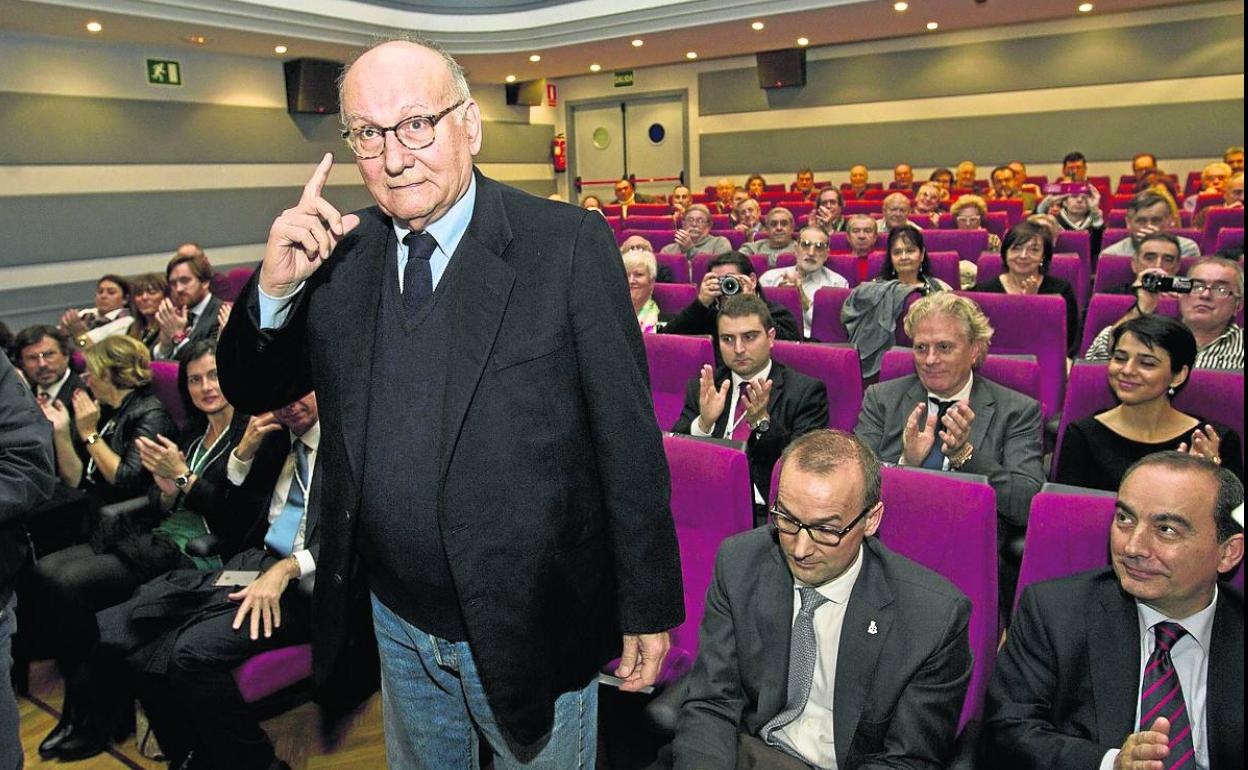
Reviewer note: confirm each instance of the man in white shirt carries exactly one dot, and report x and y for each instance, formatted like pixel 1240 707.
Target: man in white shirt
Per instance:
pixel 1148 213
pixel 811 272
pixel 1141 664
pixel 820 646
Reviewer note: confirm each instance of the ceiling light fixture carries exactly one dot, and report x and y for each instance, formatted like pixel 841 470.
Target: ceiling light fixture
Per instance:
pixel 901 7
pixel 595 67
pixel 510 78
pixel 280 49
pixel 691 54
pixel 801 41
pixel 196 39
pixel 535 58
pixel 757 26
pixel 638 43
pixel 94 27
pixel 931 25
pixel 1085 8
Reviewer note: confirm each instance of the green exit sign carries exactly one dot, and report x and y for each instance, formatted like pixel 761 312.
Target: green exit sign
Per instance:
pixel 164 72
pixel 624 79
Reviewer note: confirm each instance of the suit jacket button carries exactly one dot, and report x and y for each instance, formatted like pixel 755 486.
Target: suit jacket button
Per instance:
pixel 347 514
pixel 338 578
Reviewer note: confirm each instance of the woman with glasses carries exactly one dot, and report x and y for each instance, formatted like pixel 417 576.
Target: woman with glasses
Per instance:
pixel 146 293
pixel 1150 361
pixel 969 213
pixel 1026 254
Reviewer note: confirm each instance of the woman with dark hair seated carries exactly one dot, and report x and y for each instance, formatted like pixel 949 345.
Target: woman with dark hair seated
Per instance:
pixel 1025 254
pixel 112 305
pixel 908 263
pixel 188 499
pixel 146 293
pixel 1150 359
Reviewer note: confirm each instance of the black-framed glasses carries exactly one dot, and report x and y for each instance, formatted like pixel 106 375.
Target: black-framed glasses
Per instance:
pixel 822 534
pixel 414 133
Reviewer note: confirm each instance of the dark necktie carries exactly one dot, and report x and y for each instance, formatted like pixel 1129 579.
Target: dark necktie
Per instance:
pixel 1161 695
pixel 190 322
pixel 934 458
pixel 417 275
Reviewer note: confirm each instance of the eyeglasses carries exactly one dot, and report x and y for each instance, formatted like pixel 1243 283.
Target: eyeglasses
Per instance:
pixel 415 133
pixel 814 245
pixel 696 221
pixel 820 533
pixel 34 358
pixel 1218 289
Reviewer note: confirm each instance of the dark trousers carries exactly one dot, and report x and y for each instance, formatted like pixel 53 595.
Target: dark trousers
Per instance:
pixel 74 584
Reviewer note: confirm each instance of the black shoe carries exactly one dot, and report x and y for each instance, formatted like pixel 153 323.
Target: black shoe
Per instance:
pixel 49 745
pixel 81 742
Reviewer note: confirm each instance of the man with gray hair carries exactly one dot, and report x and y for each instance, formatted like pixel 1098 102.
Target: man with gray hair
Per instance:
pixel 462 325
pixel 896 208
pixel 1213 179
pixel 779 240
pixel 695 236
pixel 1148 213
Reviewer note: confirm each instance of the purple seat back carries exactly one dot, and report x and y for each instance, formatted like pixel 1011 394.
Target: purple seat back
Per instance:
pixel 650 223
pixel 1034 324
pixel 995 223
pixel 658 238
pixel 969 244
pixel 1227 238
pixel 1216 219
pixel 1077 242
pixel 1105 309
pixel 262 675
pixel 674 359
pixel 1018 373
pixel 837 242
pixel 760 263
pixel 677 264
pixel 647 210
pixel 944 263
pixel 839 370
pixel 219 285
pixel 617 224
pixel 861 207
pixel 711 499
pixel 674 297
pixel 791 299
pixel 1067 533
pixel 165 386
pixel 237 279
pixel 825 319
pixel 1013 208
pixel 786 259
pixel 1115 270
pixel 1064 266
pixel 847 266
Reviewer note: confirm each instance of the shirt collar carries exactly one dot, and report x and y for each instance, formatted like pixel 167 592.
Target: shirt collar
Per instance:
pixel 198 310
pixel 961 395
pixel 450 228
pixel 1231 329
pixel 311 437
pixel 54 390
pixel 1199 625
pixel 839 588
pixel 760 377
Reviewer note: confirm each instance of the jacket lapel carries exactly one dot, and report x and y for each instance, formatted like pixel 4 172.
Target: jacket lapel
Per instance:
pixel 859 651
pixel 1113 645
pixel 1225 697
pixel 983 404
pixel 721 425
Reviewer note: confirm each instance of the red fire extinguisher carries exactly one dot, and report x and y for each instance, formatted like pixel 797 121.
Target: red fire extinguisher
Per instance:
pixel 559 152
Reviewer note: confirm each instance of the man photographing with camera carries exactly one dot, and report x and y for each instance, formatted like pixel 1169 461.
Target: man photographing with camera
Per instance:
pixel 1209 297
pixel 726 275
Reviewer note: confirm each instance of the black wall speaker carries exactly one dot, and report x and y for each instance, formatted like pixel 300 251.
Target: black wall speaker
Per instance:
pixel 531 93
pixel 312 86
pixel 781 69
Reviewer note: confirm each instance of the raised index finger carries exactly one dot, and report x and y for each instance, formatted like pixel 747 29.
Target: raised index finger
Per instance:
pixel 312 190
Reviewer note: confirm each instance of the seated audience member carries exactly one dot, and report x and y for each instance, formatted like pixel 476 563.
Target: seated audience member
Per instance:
pixel 187 500
pixel 663 273
pixel 828 212
pixel 1232 197
pixel 896 209
pixel 1029 192
pixel 119 376
pixel 109 316
pixel 811 272
pixel 748 218
pixel 1025 255
pixel 1158 252
pixel 770 403
pixel 779 240
pixel 943 179
pixel 1147 213
pixel 591 203
pixel 1047 223
pixel 1138 664
pixel 863 235
pixel 1074 167
pixel 146 293
pixel 694 237
pixel 858 179
pixel 903 177
pixel 184 635
pixel 680 199
pixel 698 317
pixel 1081 211
pixel 964 176
pixel 804 183
pixel 626 194
pixel 1002 179
pixel 871 310
pixel 1142 163
pixel 641 268
pixel 755 186
pixel 1151 358
pixel 798 602
pixel 1234 157
pixel 189 314
pixel 725 189
pixel 1208 312
pixel 1213 179
pixel 43 358
pixel 927 204
pixel 969 213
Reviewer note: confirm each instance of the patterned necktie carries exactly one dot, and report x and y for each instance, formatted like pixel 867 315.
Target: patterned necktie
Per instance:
pixel 282 532
pixel 1161 695
pixel 742 431
pixel 934 458
pixel 803 654
pixel 417 275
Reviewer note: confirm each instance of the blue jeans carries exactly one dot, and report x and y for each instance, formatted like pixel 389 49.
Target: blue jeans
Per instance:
pixel 10 738
pixel 433 705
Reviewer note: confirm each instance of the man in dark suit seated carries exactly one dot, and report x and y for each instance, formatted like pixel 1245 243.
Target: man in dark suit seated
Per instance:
pixel 878 658
pixel 189 313
pixel 184 633
pixel 698 317
pixel 771 403
pixel 1141 664
pixel 944 417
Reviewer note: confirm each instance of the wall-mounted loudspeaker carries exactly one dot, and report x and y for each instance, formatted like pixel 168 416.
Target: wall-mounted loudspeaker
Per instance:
pixel 312 86
pixel 530 93
pixel 781 69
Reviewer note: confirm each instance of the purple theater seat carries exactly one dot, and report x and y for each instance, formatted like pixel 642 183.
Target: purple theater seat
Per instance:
pixel 1020 373
pixel 800 210
pixel 674 297
pixel 219 285
pixel 786 259
pixel 677 264
pixel 269 672
pixel 237 279
pixel 1013 208
pixel 1115 270
pixel 650 223
pixel 847 266
pixel 1064 266
pixel 837 367
pixel 617 225
pixel 735 237
pixel 165 386
pixel 658 238
pixel 1105 310
pixel 698 267
pixel 969 244
pixel 1034 324
pixel 994 223
pixel 944 263
pixel 1218 218
pixel 1212 394
pixel 648 210
pixel 1077 242
pixel 861 207
pixel 1115 234
pixel 1228 238
pixel 791 299
pixel 760 263
pixel 825 321
pixel 612 210
pixel 674 359
pixel 838 242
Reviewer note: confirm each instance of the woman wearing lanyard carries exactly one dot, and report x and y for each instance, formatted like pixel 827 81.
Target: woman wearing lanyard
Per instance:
pixel 186 500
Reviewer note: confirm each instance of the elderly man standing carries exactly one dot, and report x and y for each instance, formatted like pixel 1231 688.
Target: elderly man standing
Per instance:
pixel 457 326
pixel 779 240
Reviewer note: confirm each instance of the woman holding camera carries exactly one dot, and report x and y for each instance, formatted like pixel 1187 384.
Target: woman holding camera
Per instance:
pixel 1150 359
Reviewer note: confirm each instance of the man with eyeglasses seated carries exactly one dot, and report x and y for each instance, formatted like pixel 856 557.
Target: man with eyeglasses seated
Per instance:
pixel 820 647
pixel 811 272
pixel 695 236
pixel 1148 213
pixel 1217 293
pixel 779 240
pixel 699 317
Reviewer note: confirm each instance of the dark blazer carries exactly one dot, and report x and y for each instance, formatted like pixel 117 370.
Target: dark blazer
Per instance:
pixel 26 471
pixel 140 414
pixel 898 692
pixel 798 405
pixel 206 328
pixel 1005 434
pixel 1067 682
pixel 697 318
pixel 547 432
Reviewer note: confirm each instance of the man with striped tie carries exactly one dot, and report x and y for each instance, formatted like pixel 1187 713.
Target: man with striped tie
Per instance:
pixel 1139 666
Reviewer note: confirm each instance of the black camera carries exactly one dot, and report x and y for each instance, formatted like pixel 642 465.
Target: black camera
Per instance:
pixel 1157 283
pixel 729 285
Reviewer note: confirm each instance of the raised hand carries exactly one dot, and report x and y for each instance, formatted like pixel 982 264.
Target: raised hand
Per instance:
pixel 86 413
pixel 1205 442
pixel 171 319
pixel 72 323
pixel 919 435
pixel 757 394
pixel 708 289
pixel 161 457
pixel 684 240
pixel 223 314
pixel 957 428
pixel 257 427
pixel 57 414
pixel 711 400
pixel 302 236
pixel 1146 749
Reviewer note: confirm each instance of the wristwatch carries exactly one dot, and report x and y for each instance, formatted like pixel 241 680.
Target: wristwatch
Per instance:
pixel 181 480
pixel 94 437
pixel 763 426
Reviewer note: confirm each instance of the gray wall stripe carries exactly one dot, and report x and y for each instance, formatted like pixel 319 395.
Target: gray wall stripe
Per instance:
pixel 1129 54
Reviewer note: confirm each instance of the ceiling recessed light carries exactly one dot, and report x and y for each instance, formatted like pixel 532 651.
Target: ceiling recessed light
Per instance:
pixel 931 25
pixel 280 49
pixel 803 41
pixel 1085 8
pixel 535 58
pixel 691 54
pixel 638 43
pixel 196 39
pixel 94 26
pixel 757 26
pixel 510 78
pixel 595 67
pixel 901 7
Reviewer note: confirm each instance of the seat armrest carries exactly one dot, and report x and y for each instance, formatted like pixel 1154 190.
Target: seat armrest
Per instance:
pixel 205 546
pixel 124 508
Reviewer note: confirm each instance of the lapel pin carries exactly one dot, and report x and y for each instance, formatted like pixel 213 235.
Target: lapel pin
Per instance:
pixel 871 628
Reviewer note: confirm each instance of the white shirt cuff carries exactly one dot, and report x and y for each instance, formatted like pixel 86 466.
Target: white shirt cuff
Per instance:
pixel 695 429
pixel 275 311
pixel 236 470
pixel 1107 761
pixel 307 565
